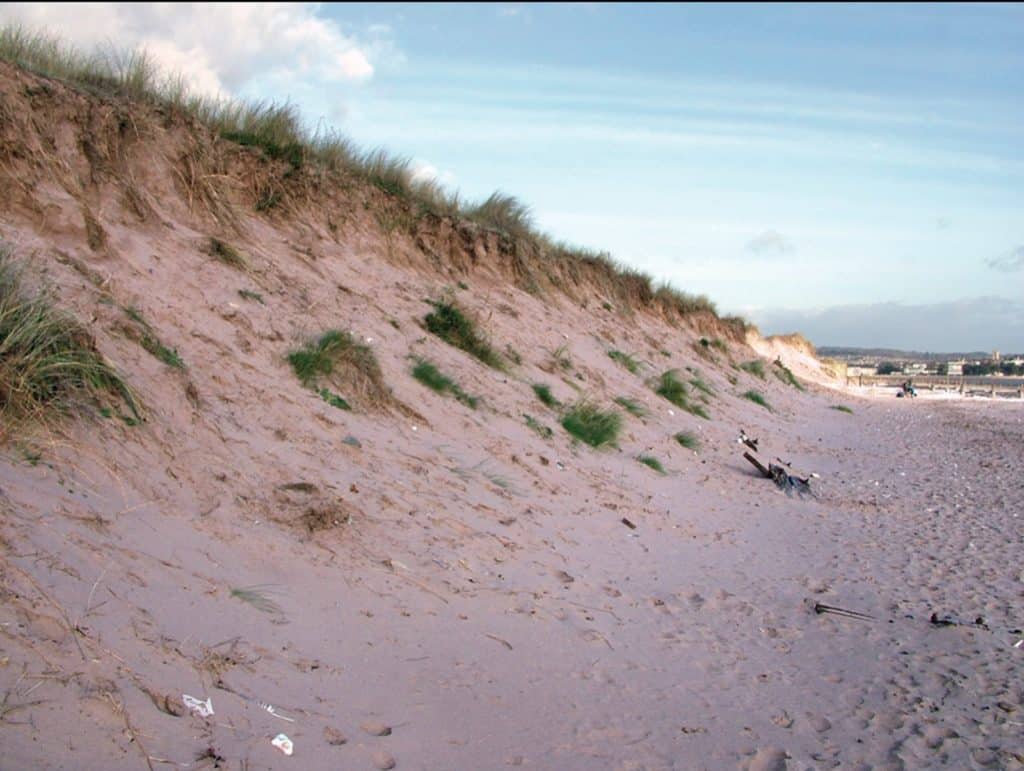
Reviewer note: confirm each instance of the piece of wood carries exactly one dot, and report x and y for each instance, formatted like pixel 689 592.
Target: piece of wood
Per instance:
pixel 757 464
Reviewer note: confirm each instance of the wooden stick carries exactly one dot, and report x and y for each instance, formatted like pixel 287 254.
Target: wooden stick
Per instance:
pixel 757 464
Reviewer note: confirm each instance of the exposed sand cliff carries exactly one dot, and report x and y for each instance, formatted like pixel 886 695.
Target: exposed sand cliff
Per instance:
pixel 421 583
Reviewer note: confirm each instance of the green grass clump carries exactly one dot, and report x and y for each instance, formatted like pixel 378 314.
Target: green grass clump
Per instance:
pixel 318 358
pixel 701 386
pixel 841 408
pixel 591 425
pixel 688 440
pixel 698 410
pixel 544 394
pixel 451 324
pixel 429 375
pixel 245 294
pixel 651 462
pixel 783 373
pixel 625 360
pixel 168 356
pixel 754 367
pixel 336 356
pixel 539 428
pixel 672 388
pixel 228 254
pixel 632 406
pixel 334 400
pixel 757 398
pixel 48 361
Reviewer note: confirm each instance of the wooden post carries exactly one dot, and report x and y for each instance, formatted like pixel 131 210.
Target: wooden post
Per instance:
pixel 757 464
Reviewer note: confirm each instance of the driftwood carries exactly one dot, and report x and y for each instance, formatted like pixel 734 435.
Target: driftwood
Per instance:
pixel 757 464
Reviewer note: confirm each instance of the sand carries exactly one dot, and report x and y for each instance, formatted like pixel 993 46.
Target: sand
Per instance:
pixel 441 587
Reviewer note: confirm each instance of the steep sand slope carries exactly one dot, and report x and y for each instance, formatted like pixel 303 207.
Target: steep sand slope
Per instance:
pixel 443 572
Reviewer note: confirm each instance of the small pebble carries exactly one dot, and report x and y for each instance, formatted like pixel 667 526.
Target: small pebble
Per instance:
pixel 383 760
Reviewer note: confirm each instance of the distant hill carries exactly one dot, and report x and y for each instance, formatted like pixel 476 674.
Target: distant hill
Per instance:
pixel 841 352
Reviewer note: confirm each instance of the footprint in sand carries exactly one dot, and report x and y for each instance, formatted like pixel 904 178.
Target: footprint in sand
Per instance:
pixel 376 728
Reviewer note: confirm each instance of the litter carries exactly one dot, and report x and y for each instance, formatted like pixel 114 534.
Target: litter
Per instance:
pixel 273 711
pixel 201 708
pixel 1018 643
pixel 788 482
pixel 283 743
pixel 820 608
pixel 744 439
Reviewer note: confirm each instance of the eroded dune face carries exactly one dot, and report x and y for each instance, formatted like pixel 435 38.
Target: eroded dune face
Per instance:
pixel 405 571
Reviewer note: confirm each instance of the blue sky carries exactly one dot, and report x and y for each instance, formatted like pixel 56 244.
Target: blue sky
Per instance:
pixel 852 172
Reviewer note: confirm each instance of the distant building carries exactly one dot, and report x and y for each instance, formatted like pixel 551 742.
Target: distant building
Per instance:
pixel 995 355
pixel 915 368
pixel 856 370
pixel 955 368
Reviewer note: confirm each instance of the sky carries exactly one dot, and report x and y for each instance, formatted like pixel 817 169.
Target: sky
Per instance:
pixel 852 172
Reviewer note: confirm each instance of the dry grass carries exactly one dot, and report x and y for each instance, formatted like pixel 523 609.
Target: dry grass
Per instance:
pixel 278 132
pixel 49 364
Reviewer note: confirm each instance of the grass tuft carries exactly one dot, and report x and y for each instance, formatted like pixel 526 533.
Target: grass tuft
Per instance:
pixel 258 597
pixel 334 400
pixel 429 375
pixel 672 388
pixel 49 363
pixel 591 425
pixel 504 213
pixel 152 344
pixel 539 428
pixel 688 440
pixel 451 324
pixel 626 360
pixel 245 294
pixel 754 367
pixel 632 406
pixel 842 408
pixel 227 254
pixel 544 394
pixel 651 462
pixel 757 398
pixel 338 358
pixel 702 386
pixel 783 373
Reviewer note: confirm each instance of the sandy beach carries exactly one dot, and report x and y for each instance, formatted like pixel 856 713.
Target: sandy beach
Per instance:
pixel 433 586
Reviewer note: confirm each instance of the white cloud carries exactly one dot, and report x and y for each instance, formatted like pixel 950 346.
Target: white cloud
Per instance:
pixel 770 242
pixel 1009 262
pixel 428 172
pixel 424 172
pixel 219 47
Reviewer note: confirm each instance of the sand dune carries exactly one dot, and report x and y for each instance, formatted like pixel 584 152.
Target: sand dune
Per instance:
pixel 434 586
